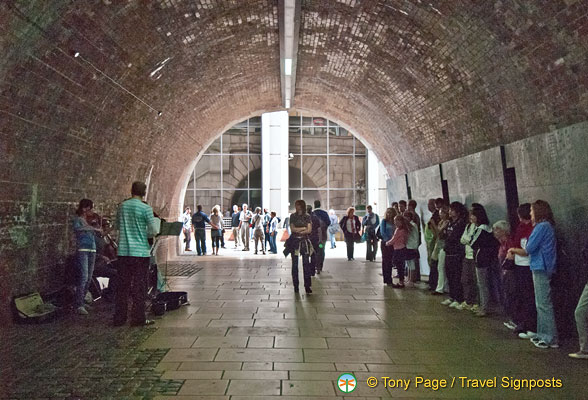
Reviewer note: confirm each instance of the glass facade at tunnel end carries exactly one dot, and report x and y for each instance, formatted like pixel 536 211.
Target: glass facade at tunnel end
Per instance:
pixel 326 162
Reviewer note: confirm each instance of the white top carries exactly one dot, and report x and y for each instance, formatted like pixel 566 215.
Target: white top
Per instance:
pixel 351 225
pixel 245 216
pixel 217 220
pixel 413 239
pixel 523 260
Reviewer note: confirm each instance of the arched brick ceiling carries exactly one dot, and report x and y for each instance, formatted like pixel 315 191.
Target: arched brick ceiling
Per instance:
pixel 426 81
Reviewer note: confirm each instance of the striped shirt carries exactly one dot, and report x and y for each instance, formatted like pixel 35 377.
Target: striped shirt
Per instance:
pixel 133 220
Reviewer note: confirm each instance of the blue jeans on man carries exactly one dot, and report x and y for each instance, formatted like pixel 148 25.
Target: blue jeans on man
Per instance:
pixel 200 236
pixel 272 242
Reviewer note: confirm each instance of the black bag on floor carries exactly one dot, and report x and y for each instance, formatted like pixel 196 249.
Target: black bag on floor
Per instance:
pixel 172 300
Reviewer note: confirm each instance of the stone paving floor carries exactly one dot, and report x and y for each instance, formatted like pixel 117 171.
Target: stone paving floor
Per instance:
pixel 247 336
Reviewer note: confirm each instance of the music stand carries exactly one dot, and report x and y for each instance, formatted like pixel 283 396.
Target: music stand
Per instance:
pixel 167 229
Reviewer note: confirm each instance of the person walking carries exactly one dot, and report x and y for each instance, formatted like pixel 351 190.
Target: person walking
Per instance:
pixel 369 224
pixel 333 228
pixel 273 232
pixel 387 229
pixel 541 247
pixel 299 245
pixel 235 224
pixel 199 220
pixel 216 229
pixel 244 226
pixel 187 227
pixel 135 222
pixel 266 221
pixel 324 222
pixel 351 226
pixel 258 231
pixel 85 252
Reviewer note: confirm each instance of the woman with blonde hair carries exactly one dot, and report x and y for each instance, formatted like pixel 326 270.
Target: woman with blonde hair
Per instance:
pixel 216 227
pixel 351 226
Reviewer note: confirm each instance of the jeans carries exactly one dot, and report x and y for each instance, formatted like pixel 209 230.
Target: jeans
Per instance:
pixel 399 260
pixel 453 271
pixel 371 246
pixel 133 273
pixel 468 281
pixel 387 262
pixel 215 242
pixel 442 276
pixel 350 246
pixel 483 287
pixel 509 284
pixel 188 238
pixel 546 329
pixel 525 312
pixel 332 238
pixel 200 236
pixel 86 261
pixel 581 315
pixel 272 242
pixel 245 231
pixel 267 238
pixel 306 270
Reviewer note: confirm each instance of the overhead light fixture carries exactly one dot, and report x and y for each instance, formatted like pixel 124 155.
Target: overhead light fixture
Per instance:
pixel 287 103
pixel 288 66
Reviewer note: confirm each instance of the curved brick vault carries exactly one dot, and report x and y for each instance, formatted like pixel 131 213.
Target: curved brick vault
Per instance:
pixel 427 81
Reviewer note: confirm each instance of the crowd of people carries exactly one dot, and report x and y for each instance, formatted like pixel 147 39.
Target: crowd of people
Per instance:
pixel 479 267
pixel 246 226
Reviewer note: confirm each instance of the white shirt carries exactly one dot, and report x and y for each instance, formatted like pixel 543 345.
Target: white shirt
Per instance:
pixel 413 238
pixel 245 215
pixel 522 260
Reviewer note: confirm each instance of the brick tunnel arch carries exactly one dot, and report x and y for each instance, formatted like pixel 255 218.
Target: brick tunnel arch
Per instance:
pixel 427 82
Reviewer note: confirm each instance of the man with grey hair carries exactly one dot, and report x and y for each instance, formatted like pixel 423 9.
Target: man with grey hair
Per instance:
pixel 244 228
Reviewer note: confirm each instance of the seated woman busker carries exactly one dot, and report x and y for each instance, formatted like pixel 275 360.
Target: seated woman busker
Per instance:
pixel 298 244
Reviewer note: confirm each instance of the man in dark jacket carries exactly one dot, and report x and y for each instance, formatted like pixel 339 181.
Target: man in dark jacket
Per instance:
pixel 324 222
pixel 199 220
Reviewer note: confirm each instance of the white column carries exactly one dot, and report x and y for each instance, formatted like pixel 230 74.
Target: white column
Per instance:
pixel 274 162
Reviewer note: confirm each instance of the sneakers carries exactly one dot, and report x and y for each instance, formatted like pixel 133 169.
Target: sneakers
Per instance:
pixel 81 311
pixel 463 306
pixel 88 299
pixel 527 335
pixel 454 304
pixel 475 308
pixel 581 355
pixel 446 302
pixel 544 345
pixel 510 325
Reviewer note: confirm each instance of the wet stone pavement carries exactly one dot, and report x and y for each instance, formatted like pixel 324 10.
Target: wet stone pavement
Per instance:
pixel 247 336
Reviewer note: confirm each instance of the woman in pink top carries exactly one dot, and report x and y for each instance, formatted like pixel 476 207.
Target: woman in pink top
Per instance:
pixel 398 241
